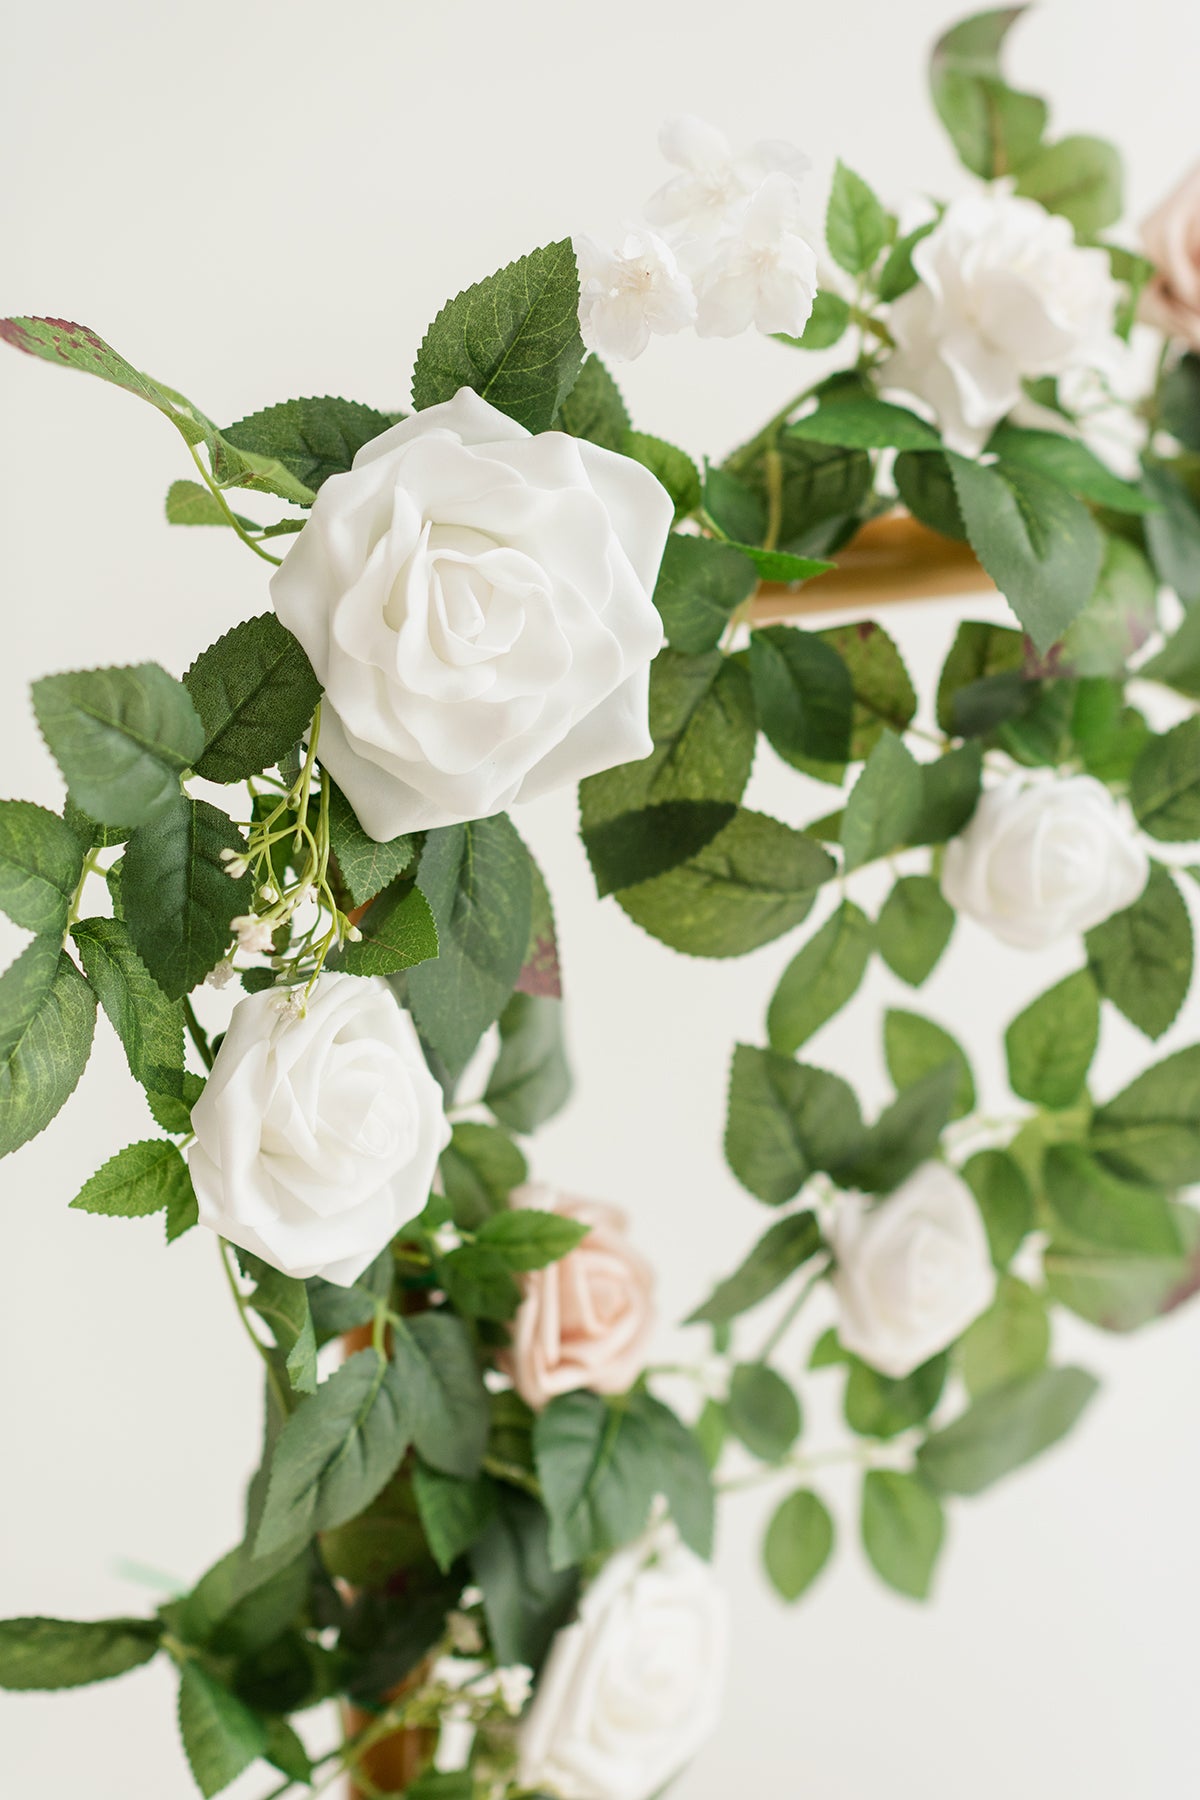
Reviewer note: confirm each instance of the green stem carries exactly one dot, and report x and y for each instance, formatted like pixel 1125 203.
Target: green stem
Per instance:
pixel 282 1400
pixel 231 518
pixel 792 1312
pixel 197 1033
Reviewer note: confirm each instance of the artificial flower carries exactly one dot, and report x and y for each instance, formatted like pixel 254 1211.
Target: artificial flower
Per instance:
pixel 1171 238
pixel 762 272
pixel 713 183
pixel 628 293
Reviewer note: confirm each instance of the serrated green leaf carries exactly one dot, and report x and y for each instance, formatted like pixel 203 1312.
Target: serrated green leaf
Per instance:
pixel 594 408
pixel 877 1406
pixel 41 861
pixel 188 503
pixel 914 928
pixel 525 1600
pixel 902 1530
pixel 994 128
pixel 950 789
pixel 1165 789
pixel 1004 1198
pixel 909 1132
pixel 1011 1338
pixel 41 1654
pixel 639 846
pixel 798 1543
pixel 47 1018
pixel 1051 1044
pixel 884 804
pixel 1005 1428
pixel 821 979
pixel 454 1513
pixel 701 583
pixel 856 226
pixel 884 696
pixel 139 1180
pixel 598 1473
pixel 178 897
pixel 282 1303
pixel 926 486
pixel 122 738
pixel 255 691
pixel 528 1238
pixel 397 932
pixel 1173 533
pixel 784 1247
pixel 803 695
pixel 1079 177
pixel 221 1736
pixel 149 1025
pixel 827 322
pixel 449 1406
pixel 763 1411
pixel 365 866
pixel 530 1081
pixel 312 438
pixel 1068 461
pixel 79 347
pixel 915 1047
pixel 480 1167
pixel 817 491
pixel 787 1121
pixel 867 424
pixel 672 467
pixel 1142 958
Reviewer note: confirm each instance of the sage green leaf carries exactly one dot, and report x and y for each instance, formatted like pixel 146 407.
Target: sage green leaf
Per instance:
pixel 1179 400
pixel 221 1736
pixel 701 583
pixel 1122 1289
pixel 40 1654
pixel 1011 1338
pixel 479 1284
pixel 784 1247
pixel 41 861
pixel 884 696
pixel 594 408
pixel 445 1392
pixel 1079 177
pixel 91 834
pixel 994 129
pixel 684 1473
pixel 178 896
pixel 877 1406
pixel 915 1047
pixel 526 1601
pixel 798 1543
pixel 785 1122
pixel 817 490
pixel 255 691
pixel 803 694
pixel 867 424
pixel 1068 461
pixel 1039 544
pixel 480 1167
pixel 856 225
pixel 950 789
pixel 1005 1199
pixel 530 1081
pixel 513 338
pixel 396 932
pixel 1165 790
pixel 188 503
pixel 827 322
pixel 285 1751
pixel 454 1514
pixel 914 928
pixel 1173 533
pixel 364 866
pixel 1093 1209
pixel 757 879
pixel 282 1303
pixel 884 803
pixel 672 467
pixel 763 1411
pixel 598 1470
pixel 477 880
pixel 1177 664
pixel 782 565
pixel 638 846
pixel 528 1238
pixel 47 1018
pixel 820 979
pixel 899 273
pixel 981 653
pixel 122 738
pixel 313 438
pixel 149 1025
pixel 909 1132
pixel 1118 619
pixel 926 486
pixel 1142 958
pixel 1005 1428
pixel 1051 1044
pixel 139 1180
pixel 79 347
pixel 902 1530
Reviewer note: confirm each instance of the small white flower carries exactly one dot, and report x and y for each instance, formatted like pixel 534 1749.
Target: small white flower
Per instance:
pixel 446 1238
pixel 628 293
pixel 290 1003
pixel 304 896
pixel 763 273
pixel 221 976
pixel 253 934
pixel 714 182
pixel 463 1631
pixel 235 864
pixel 513 1686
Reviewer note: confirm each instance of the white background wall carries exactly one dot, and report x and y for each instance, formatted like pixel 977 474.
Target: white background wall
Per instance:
pixel 255 200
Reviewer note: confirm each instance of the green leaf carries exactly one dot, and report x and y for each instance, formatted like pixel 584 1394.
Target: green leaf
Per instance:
pixel 454 1513
pixel 763 1411
pixel 285 1751
pixel 47 1018
pixel 1079 177
pixel 221 1736
pixel 1011 1338
pixel 513 338
pixel 178 896
pixel 1068 461
pixel 1173 533
pixel 684 1474
pixel 64 1653
pixel 312 438
pixel 1006 1427
pixel 139 1180
pixel 1177 664
pixel 899 274
pixel 902 1530
pixel 255 691
pixel 599 1474
pixel 477 880
pixel 525 1600
pixel 282 1303
pixel 479 1283
pixel 149 1025
pixel 879 1407
pixel 1165 790
pixel 909 1132
pixel 1005 1199
pixel 827 322
pixel 757 879
pixel 782 565
pixel 884 697
pixel 638 846
pixel 820 979
pixel 673 468
pixel 798 1543
pixel 856 225
pixel 594 408
pixel 981 653
pixel 1093 1209
pixel 445 1393
pixel 1051 1044
pixel 41 861
pixel 785 1122
pixel 884 803
pixel 480 1167
pixel 530 1081
pixel 188 503
pixel 1179 400
pixel 803 695
pixel 994 129
pixel 915 1047
pixel 914 928
pixel 950 789
pixel 122 738
pixel 1039 544
pixel 867 424
pixel 1120 1256
pixel 1119 617
pixel 926 486
pixel 701 583
pixel 528 1238
pixel 397 932
pixel 365 866
pixel 817 490
pixel 784 1247
pixel 79 347
pixel 1142 958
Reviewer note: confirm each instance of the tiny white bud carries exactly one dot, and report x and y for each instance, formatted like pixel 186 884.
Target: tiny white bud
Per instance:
pixel 354 935
pixel 253 934
pixel 267 892
pixel 446 1238
pixel 221 976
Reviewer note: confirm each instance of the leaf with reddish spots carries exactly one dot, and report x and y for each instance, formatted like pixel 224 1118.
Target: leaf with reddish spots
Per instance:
pixel 79 347
pixel 541 973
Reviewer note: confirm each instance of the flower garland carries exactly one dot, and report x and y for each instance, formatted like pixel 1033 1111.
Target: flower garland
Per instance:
pixel 483 1525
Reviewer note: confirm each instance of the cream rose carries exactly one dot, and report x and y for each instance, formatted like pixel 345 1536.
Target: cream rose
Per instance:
pixel 632 1689
pixel 912 1270
pixel 586 1320
pixel 1004 293
pixel 476 602
pixel 318 1134
pixel 1171 237
pixel 1044 860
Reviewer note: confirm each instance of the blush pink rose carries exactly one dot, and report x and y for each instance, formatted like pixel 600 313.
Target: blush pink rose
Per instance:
pixel 1171 236
pixel 586 1320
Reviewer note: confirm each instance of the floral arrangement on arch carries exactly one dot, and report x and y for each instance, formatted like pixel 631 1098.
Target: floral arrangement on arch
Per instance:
pixel 290 883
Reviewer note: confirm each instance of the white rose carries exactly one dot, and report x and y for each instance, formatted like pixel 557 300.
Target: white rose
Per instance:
pixel 912 1270
pixel 1004 294
pixel 632 1689
pixel 1044 860
pixel 318 1133
pixel 476 602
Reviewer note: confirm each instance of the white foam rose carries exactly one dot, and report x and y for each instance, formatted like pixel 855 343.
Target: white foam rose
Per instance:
pixel 1043 860
pixel 476 602
pixel 912 1270
pixel 1004 294
pixel 632 1689
pixel 318 1132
